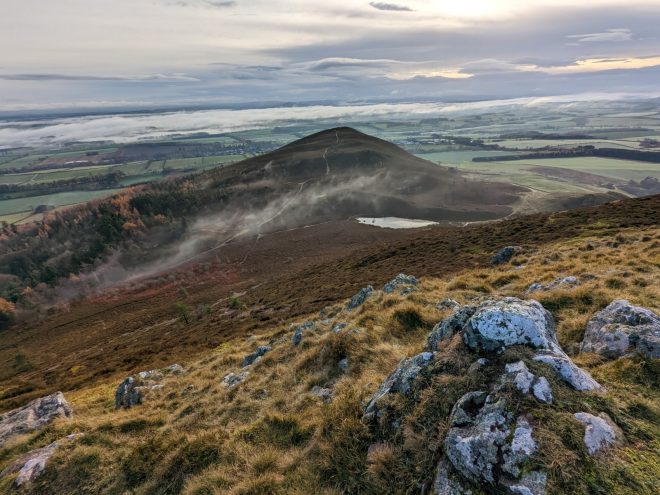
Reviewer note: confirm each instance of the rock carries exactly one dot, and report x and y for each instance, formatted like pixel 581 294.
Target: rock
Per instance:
pixel 532 483
pixel 525 381
pixel 130 391
pixel 34 416
pixel 569 372
pixel 406 291
pixel 447 304
pixel 521 449
pixel 400 381
pixel 622 328
pixel 446 328
pixel 500 323
pixel 323 393
pixel 400 280
pixel 476 449
pixel 504 255
pixel 358 299
pixel 542 390
pixel 32 464
pixel 477 365
pixel 559 282
pixel 600 431
pixel 251 358
pixel 231 380
pixel 445 483
pixel 339 327
pixel 300 329
pixel 343 364
pixel 481 446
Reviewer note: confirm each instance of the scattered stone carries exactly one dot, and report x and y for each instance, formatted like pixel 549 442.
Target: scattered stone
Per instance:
pixel 560 282
pixel 401 381
pixel 323 393
pixel 251 358
pixel 525 381
pixel 600 431
pixel 622 328
pixel 358 299
pixel 343 364
pixel 500 323
pixel 447 304
pixel 130 391
pixel 339 327
pixel 575 376
pixel 231 380
pixel 34 416
pixel 401 280
pixel 504 255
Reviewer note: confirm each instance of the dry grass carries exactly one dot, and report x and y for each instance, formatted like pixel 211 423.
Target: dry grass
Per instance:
pixel 272 435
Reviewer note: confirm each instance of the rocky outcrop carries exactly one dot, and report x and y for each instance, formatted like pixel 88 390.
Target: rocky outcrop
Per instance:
pixel 621 329
pixel 34 416
pixel 132 389
pixel 568 371
pixel 32 464
pixel 358 299
pixel 504 255
pixel 259 352
pixel 563 282
pixel 401 280
pixel 400 381
pixel 600 431
pixel 446 328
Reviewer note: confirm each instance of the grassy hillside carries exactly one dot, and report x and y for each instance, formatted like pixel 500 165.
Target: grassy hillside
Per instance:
pixel 272 434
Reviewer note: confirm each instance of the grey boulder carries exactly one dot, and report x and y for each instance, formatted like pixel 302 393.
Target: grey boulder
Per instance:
pixel 600 431
pixel 34 416
pixel 621 329
pixel 401 280
pixel 259 352
pixel 130 391
pixel 504 255
pixel 358 299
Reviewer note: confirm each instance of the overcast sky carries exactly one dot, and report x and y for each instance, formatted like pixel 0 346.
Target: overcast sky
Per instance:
pixel 73 53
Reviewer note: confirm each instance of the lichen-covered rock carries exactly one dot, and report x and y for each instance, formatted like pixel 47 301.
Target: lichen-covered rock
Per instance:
pixel 467 407
pixel 34 416
pixel 521 449
pixel 568 371
pixel 358 299
pixel 526 382
pixel 252 357
pixel 476 450
pixel 622 328
pixel 563 282
pixel 600 431
pixel 231 380
pixel 504 255
pixel 447 484
pixel 446 328
pixel 447 304
pixel 32 464
pixel 401 280
pixel 325 394
pixel 343 364
pixel 400 381
pixel 130 391
pixel 501 323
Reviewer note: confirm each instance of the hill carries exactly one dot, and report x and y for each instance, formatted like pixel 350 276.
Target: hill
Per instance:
pixel 292 388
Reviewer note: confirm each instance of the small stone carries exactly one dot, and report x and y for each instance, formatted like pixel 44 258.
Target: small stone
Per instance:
pixel 339 327
pixel 343 364
pixel 504 255
pixel 521 376
pixel 532 483
pixel 542 390
pixel 600 431
pixel 251 358
pixel 447 304
pixel 324 394
pixel 231 380
pixel 521 449
pixel 400 280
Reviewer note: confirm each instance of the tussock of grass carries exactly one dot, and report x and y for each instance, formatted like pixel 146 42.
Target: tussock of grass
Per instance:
pixel 272 435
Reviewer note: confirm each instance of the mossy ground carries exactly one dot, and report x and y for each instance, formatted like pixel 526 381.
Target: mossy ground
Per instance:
pixel 271 435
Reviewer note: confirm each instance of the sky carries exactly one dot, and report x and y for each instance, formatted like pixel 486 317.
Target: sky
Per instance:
pixel 69 54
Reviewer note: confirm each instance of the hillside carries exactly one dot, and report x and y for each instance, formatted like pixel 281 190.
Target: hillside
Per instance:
pixel 301 402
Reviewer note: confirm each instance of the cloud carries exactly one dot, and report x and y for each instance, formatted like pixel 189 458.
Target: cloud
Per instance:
pixel 73 77
pixel 611 35
pixel 391 7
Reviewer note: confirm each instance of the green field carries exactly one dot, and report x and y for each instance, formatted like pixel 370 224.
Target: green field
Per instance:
pixel 11 206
